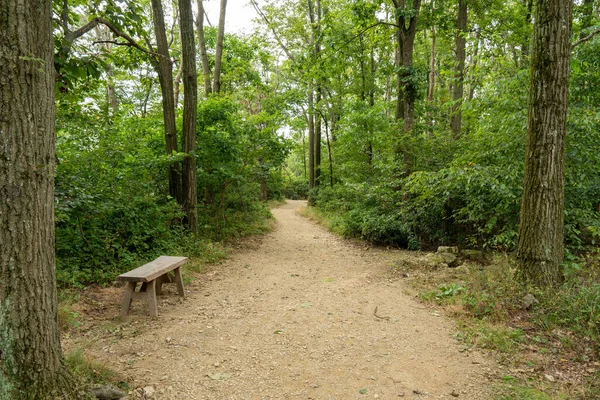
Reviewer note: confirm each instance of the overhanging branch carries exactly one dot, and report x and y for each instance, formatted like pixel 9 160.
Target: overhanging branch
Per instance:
pixel 73 35
pixel 585 39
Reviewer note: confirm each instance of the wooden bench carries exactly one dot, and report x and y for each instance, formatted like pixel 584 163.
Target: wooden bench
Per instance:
pixel 152 276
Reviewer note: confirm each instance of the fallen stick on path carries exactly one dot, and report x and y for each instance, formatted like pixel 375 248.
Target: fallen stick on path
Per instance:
pixel 380 317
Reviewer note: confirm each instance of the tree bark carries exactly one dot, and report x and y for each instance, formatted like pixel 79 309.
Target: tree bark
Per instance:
pixel 311 138
pixel 317 140
pixel 177 85
pixel 459 74
pixel 31 361
pixel 103 36
pixel 541 230
pixel 164 69
pixel 315 21
pixel 431 86
pixel 329 153
pixel 219 49
pixel 473 65
pixel 190 102
pixel 407 91
pixel 203 53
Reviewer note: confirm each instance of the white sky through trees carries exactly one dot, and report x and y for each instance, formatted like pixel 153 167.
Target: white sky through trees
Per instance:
pixel 239 15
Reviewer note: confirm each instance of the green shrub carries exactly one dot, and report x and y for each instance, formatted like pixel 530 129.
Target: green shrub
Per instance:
pixel 295 189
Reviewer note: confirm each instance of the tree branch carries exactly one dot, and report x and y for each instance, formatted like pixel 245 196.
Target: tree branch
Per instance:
pixel 585 39
pixel 111 42
pixel 65 16
pixel 207 20
pixel 279 41
pixel 71 36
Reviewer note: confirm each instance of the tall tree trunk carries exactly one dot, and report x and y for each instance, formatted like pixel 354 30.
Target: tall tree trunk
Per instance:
pixel 219 49
pixel 190 102
pixel 431 87
pixel 111 91
pixel 203 53
pixel 541 230
pixel 103 36
pixel 311 138
pixel 317 139
pixel 31 361
pixel 473 65
pixel 164 69
pixel 177 85
pixel 407 91
pixel 329 153
pixel 315 38
pixel 372 86
pixel 459 74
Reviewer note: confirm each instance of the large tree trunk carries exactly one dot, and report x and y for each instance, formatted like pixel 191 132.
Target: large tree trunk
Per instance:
pixel 459 74
pixel 31 361
pixel 407 91
pixel 190 102
pixel 202 44
pixel 315 20
pixel 164 69
pixel 219 48
pixel 541 230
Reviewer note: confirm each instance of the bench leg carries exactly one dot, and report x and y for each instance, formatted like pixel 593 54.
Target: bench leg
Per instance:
pixel 159 282
pixel 179 281
pixel 126 303
pixel 151 297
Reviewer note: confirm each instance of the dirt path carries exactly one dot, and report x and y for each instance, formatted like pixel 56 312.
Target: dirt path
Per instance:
pixel 294 319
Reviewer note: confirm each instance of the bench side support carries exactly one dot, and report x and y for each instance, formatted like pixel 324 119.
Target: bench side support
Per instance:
pixel 151 297
pixel 179 281
pixel 127 297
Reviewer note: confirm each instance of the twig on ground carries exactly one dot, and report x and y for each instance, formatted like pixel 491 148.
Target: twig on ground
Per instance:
pixel 378 316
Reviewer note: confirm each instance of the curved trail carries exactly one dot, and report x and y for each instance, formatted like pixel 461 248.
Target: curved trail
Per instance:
pixel 294 319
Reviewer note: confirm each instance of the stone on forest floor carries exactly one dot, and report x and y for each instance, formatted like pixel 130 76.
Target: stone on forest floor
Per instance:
pixel 447 249
pixel 473 255
pixel 107 392
pixel 529 301
pixel 443 260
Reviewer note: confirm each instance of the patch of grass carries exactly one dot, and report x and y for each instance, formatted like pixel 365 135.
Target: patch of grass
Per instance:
pixel 327 220
pixel 513 390
pixel 443 295
pixel 561 324
pixel 491 336
pixel 274 203
pixel 211 253
pixel 68 317
pixel 90 371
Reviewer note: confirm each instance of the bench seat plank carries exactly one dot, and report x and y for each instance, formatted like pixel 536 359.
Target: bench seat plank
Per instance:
pixel 154 269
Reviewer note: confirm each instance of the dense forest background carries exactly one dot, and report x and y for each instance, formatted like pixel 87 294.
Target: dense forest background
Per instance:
pixel 414 147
